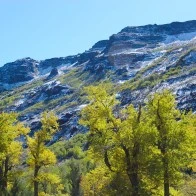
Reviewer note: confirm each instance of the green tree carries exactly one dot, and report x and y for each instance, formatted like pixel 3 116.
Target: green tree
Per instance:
pixel 175 138
pixel 151 144
pixel 10 147
pixel 96 182
pixel 122 139
pixel 39 154
pixel 74 162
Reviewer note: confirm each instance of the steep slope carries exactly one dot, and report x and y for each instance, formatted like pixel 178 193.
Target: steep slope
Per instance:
pixel 138 60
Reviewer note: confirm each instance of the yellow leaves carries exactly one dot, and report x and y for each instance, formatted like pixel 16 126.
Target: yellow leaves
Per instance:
pixel 10 147
pixel 10 130
pixel 43 194
pixel 40 155
pixel 99 92
pixel 21 129
pixel 47 157
pixel 58 194
pixel 145 135
pixel 175 192
pixel 50 181
pixel 49 122
pixel 7 122
pixel 2 156
pixel 38 152
pixel 31 142
pixel 163 103
pixel 116 157
pixel 95 183
pixel 14 152
pixel 49 178
pixel 159 192
pixel 101 105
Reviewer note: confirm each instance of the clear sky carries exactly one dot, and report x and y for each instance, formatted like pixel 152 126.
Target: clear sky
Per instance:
pixel 43 29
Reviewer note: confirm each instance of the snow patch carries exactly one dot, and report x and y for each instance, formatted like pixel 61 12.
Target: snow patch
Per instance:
pixel 80 107
pixel 121 81
pixel 52 83
pixel 19 102
pixel 180 37
pixel 45 71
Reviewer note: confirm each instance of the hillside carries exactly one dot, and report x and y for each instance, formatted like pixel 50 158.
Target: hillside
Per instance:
pixel 137 60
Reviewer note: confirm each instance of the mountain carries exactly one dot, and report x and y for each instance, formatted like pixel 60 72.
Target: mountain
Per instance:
pixel 138 60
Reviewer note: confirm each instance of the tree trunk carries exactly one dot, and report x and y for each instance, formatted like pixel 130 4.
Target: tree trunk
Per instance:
pixel 166 177
pixel 132 168
pixel 6 172
pixel 1 178
pixel 135 183
pixel 3 174
pixel 36 183
pixel 165 167
pixel 162 145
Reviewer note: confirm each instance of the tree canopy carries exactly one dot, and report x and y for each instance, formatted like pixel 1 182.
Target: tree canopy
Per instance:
pixel 148 146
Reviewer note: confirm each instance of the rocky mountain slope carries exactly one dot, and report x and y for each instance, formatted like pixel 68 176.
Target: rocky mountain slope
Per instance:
pixel 138 60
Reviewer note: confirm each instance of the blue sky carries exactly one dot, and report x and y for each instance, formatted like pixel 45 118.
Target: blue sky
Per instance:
pixel 52 28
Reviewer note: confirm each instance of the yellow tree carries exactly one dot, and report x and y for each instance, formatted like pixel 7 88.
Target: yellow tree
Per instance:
pixel 123 139
pixel 151 144
pixel 96 182
pixel 10 147
pixel 39 154
pixel 176 133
